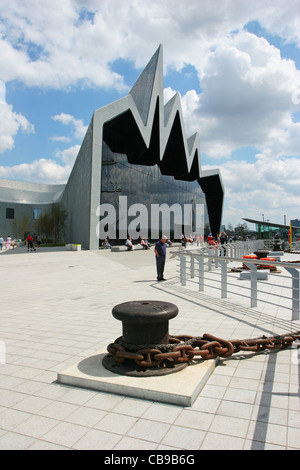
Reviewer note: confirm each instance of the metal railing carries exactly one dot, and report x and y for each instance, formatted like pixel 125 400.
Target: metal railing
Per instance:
pixel 286 246
pixel 208 268
pixel 236 249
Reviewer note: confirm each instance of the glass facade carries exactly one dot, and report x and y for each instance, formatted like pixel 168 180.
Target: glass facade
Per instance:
pixel 146 185
pixel 267 232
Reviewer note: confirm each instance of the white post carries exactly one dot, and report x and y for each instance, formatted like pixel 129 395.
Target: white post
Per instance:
pixel 253 269
pixel 223 279
pixel 295 292
pixel 182 270
pixel 201 274
pixel 192 266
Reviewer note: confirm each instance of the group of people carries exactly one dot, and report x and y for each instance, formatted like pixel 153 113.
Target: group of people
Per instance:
pixel 161 245
pixel 144 243
pixel 192 239
pixel 33 242
pixel 222 239
pixel 7 244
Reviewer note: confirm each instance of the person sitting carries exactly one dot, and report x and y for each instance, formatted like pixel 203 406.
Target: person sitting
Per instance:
pixel 129 244
pixel 106 243
pixel 145 244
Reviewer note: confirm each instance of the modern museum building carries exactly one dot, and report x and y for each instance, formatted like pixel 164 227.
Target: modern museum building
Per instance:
pixel 136 151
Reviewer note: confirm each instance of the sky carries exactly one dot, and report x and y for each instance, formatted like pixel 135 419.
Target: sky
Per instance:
pixel 235 63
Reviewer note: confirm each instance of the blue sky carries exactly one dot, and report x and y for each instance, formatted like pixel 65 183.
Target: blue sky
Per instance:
pixel 234 63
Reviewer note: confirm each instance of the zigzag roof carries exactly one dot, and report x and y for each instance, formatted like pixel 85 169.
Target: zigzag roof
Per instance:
pixel 141 114
pixel 148 132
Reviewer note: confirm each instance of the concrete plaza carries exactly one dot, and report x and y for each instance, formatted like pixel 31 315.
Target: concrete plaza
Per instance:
pixel 56 310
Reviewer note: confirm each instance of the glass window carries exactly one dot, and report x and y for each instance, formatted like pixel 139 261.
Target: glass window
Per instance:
pixel 10 213
pixel 36 213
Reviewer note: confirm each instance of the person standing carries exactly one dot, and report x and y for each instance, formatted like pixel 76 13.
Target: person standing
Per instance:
pixel 30 245
pixel 8 242
pixel 160 256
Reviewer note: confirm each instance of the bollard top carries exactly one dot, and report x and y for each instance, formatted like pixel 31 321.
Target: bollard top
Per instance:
pixel 145 311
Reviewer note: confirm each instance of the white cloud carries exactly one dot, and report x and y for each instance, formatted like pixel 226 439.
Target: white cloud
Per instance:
pixel 2 92
pixel 11 122
pixel 44 170
pixel 68 156
pixel 60 139
pixel 46 44
pixel 264 186
pixel 245 100
pixel 66 119
pixel 168 94
pixel 58 43
pixel 40 171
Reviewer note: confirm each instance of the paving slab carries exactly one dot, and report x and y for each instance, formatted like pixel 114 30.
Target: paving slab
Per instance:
pixel 56 311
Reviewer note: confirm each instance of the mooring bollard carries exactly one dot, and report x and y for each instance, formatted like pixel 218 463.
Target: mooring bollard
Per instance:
pixel 145 328
pixel 146 321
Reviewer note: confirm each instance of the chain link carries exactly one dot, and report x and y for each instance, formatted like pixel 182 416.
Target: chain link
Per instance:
pixel 183 349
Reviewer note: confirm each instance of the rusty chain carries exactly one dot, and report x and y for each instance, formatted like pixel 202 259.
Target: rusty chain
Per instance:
pixel 183 349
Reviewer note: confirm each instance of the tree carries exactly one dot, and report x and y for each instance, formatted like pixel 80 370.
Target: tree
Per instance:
pixel 43 225
pixel 242 230
pixel 52 224
pixel 58 217
pixel 20 227
pixel 230 230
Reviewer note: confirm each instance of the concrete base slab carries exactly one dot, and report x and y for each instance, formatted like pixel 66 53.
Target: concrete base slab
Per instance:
pixel 262 274
pixel 180 388
pixel 273 254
